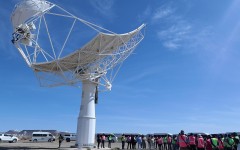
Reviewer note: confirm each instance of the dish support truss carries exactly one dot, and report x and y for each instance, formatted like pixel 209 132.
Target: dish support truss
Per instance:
pixel 96 63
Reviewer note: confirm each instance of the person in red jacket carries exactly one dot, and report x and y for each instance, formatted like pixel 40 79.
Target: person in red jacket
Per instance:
pixel 182 140
pixel 220 143
pixel 160 142
pixel 200 143
pixel 208 143
pixel 169 142
pixel 192 141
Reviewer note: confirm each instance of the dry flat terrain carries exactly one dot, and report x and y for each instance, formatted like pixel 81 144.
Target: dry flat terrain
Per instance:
pixel 26 145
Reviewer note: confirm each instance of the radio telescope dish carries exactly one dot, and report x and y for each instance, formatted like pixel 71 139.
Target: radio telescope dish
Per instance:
pixel 63 49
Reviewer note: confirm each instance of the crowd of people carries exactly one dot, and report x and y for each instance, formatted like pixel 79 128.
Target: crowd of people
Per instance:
pixel 101 140
pixel 181 142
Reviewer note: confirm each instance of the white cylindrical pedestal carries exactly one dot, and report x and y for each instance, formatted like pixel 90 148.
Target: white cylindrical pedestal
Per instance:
pixel 87 119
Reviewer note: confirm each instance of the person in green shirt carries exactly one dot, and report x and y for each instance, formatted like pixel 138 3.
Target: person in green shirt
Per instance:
pixel 109 141
pixel 174 142
pixel 165 142
pixel 229 142
pixel 214 142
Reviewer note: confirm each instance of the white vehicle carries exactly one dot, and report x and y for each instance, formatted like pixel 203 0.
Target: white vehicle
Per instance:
pixel 42 137
pixel 8 138
pixel 70 137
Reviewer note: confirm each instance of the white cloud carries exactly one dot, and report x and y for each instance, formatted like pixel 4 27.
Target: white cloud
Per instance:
pixel 162 12
pixel 173 37
pixel 104 6
pixel 171 45
pixel 175 31
pixel 154 16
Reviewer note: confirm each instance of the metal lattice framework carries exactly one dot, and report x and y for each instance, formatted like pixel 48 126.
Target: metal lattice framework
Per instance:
pixel 48 48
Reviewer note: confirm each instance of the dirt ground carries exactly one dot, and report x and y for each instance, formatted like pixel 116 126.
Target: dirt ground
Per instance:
pixel 26 145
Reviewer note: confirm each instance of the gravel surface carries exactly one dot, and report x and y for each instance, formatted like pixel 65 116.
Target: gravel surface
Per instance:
pixel 26 145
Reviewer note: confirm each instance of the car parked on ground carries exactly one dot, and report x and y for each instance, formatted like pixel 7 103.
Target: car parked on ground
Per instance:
pixel 69 137
pixel 42 137
pixel 8 138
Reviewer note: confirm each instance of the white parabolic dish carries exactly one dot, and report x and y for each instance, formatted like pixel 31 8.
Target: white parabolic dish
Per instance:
pixel 48 38
pixel 55 64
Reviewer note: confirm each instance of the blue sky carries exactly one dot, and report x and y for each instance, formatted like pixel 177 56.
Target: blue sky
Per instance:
pixel 184 74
